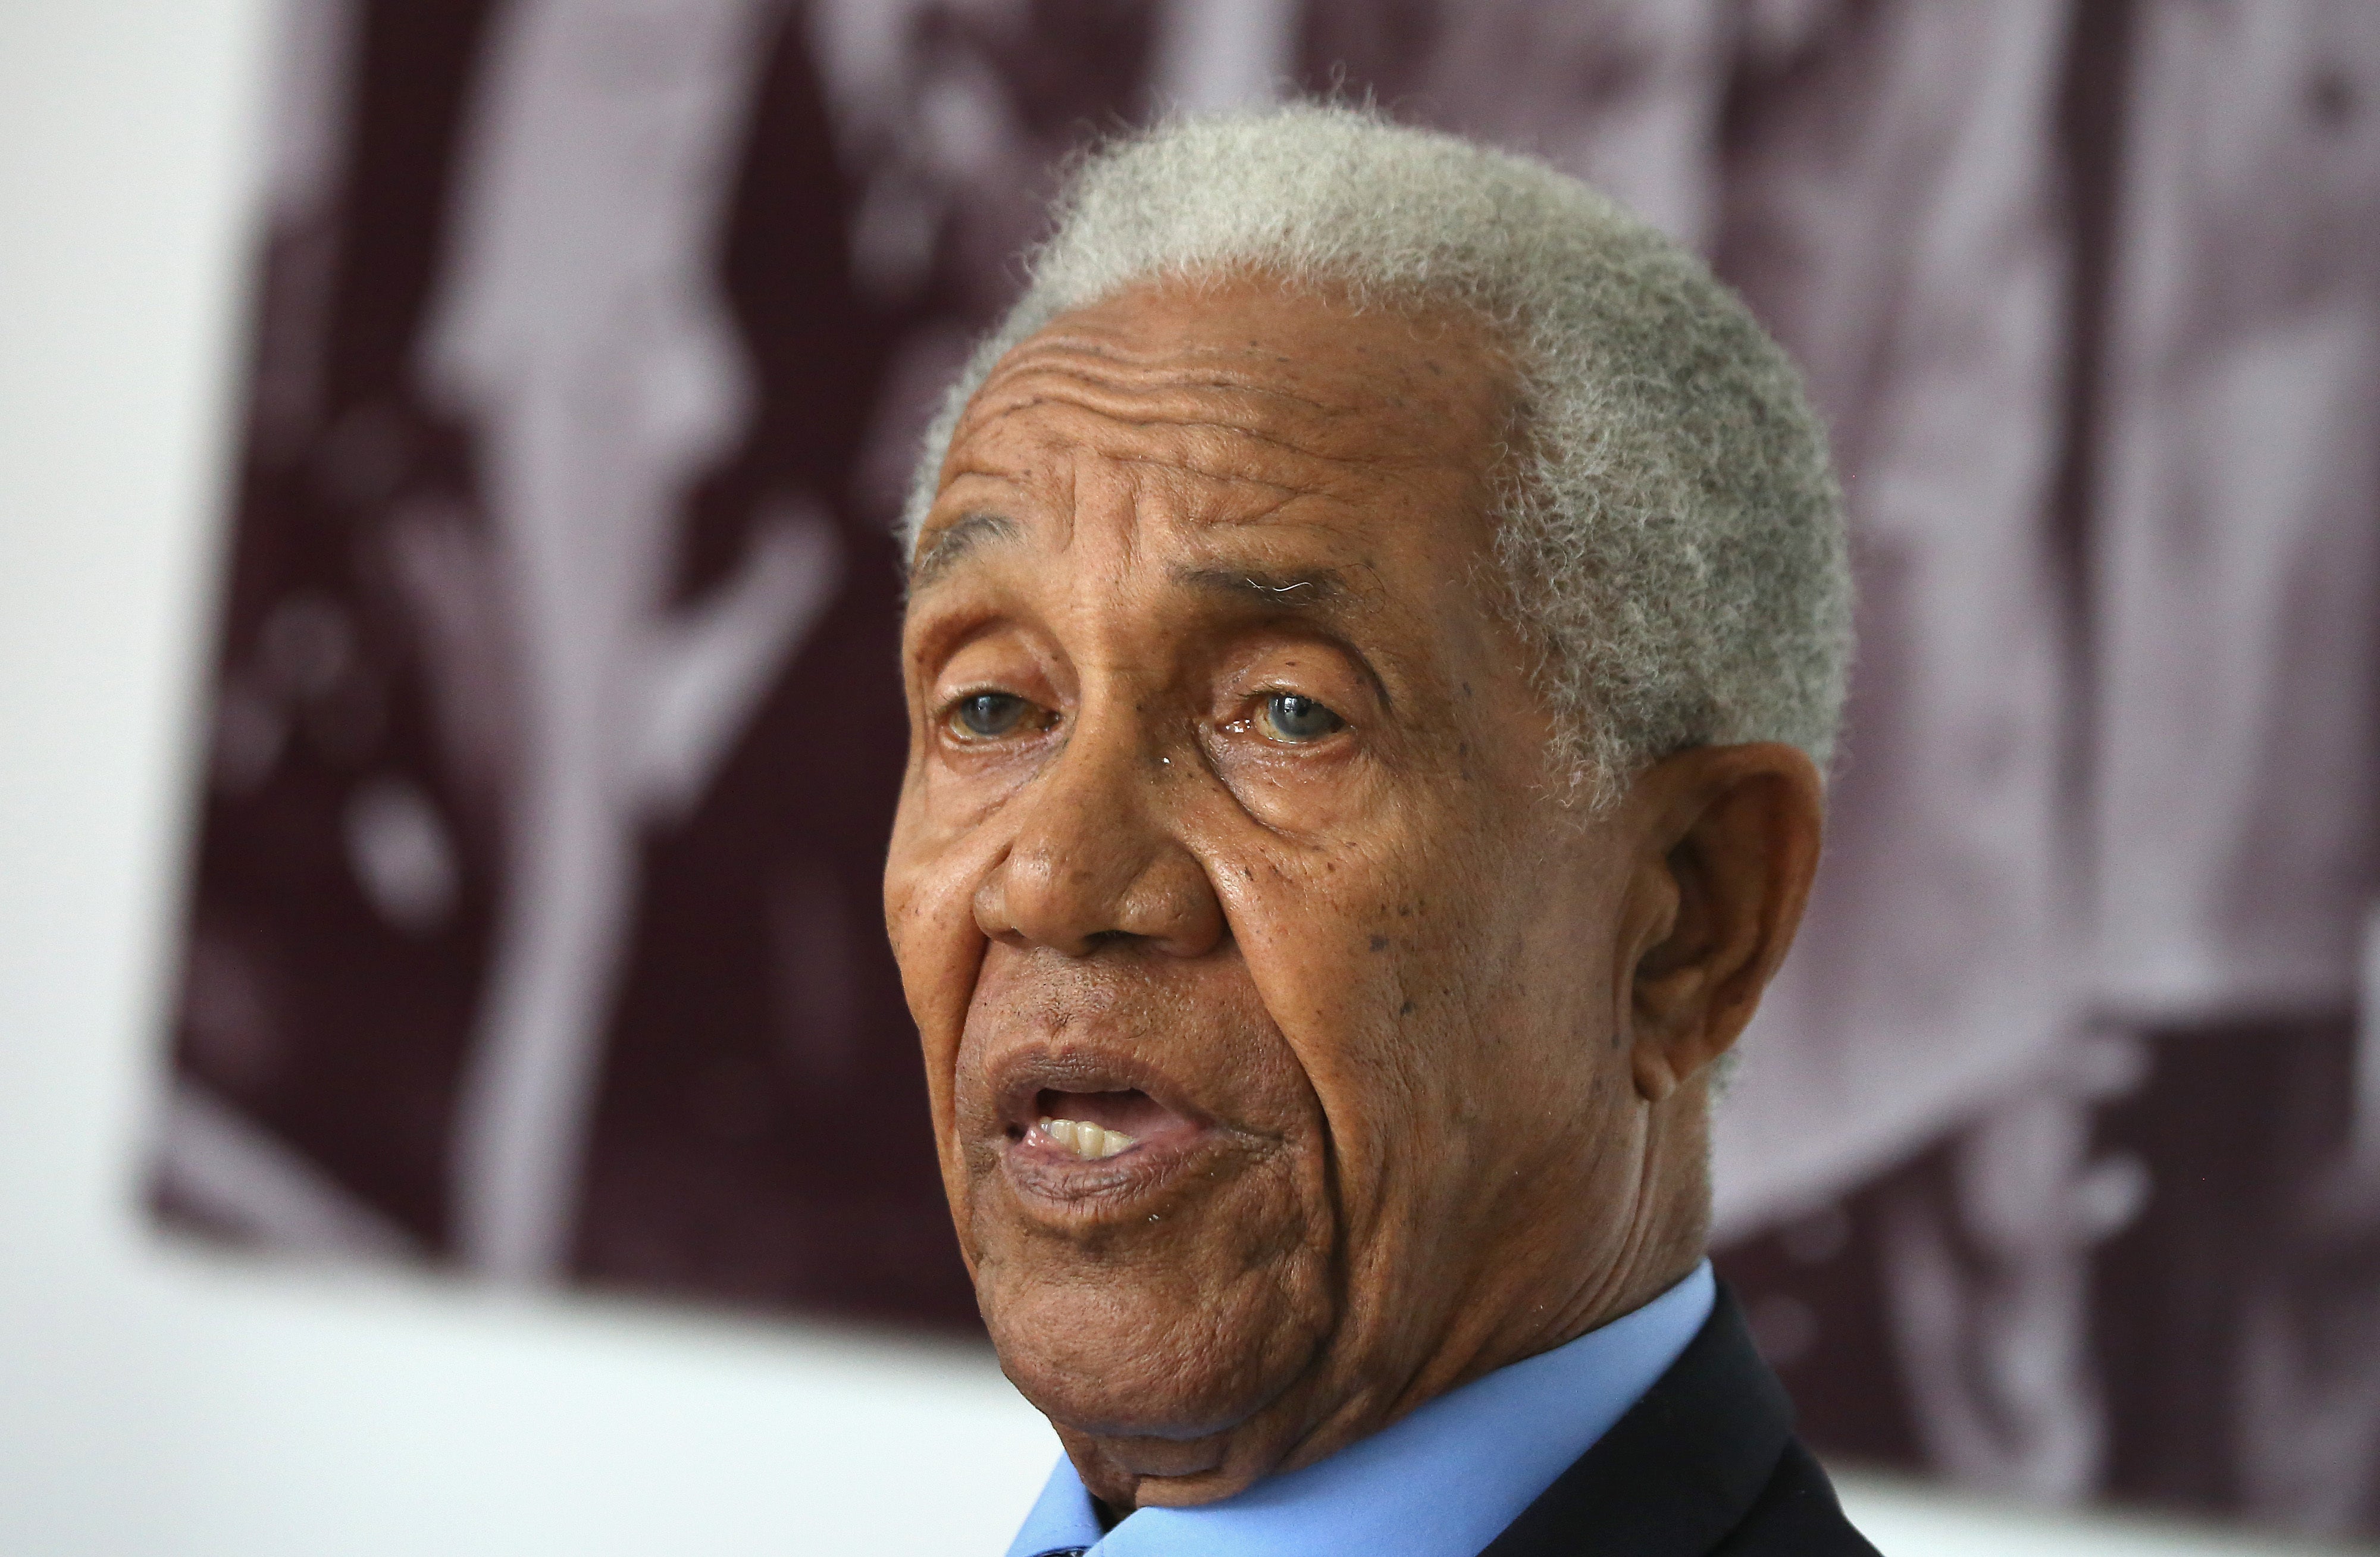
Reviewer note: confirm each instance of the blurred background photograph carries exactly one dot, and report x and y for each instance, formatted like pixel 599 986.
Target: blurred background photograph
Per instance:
pixel 519 918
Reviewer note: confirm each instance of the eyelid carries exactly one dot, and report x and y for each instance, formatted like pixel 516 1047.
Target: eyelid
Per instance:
pixel 950 701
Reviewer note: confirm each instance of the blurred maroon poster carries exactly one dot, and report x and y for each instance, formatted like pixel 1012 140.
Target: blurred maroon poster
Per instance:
pixel 532 926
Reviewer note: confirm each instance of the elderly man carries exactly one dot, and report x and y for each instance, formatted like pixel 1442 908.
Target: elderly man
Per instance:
pixel 1377 623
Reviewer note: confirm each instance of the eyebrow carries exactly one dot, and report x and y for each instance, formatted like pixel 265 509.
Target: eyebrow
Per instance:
pixel 954 541
pixel 1289 591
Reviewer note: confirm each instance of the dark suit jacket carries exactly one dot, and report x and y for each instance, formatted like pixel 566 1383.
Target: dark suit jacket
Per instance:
pixel 1705 1466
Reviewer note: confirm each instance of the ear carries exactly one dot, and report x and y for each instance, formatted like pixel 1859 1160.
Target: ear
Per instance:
pixel 1726 841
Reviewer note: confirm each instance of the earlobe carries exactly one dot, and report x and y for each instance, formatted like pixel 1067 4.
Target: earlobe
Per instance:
pixel 1729 838
pixel 1646 996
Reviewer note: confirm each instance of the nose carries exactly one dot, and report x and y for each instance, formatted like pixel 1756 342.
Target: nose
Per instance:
pixel 1096 858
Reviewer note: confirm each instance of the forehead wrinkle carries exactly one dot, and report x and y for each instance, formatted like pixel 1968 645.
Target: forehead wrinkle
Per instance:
pixel 1215 452
pixel 1031 359
pixel 1290 491
pixel 1156 419
pixel 946 548
pixel 1057 465
pixel 1259 424
pixel 1195 400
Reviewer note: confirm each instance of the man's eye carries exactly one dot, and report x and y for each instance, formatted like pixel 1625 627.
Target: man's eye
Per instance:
pixel 989 716
pixel 1288 716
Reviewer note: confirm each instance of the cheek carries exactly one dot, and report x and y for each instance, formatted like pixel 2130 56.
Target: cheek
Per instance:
pixel 1357 955
pixel 1424 977
pixel 929 885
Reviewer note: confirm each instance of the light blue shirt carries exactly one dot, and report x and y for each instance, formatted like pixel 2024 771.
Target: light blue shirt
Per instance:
pixel 1442 1482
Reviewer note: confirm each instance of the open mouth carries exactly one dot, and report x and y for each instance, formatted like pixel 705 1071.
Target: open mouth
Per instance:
pixel 1085 1133
pixel 1094 1126
pixel 1087 1129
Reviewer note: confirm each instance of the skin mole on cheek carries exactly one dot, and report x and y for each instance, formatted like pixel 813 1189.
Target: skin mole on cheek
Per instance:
pixel 1380 943
pixel 1406 1009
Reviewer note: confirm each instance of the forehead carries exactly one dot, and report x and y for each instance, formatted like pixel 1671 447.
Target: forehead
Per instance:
pixel 1229 418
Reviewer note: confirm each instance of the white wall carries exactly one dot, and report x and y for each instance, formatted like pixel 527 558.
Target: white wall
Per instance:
pixel 159 1400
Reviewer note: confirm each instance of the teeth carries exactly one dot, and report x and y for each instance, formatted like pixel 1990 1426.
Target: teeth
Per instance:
pixel 1084 1139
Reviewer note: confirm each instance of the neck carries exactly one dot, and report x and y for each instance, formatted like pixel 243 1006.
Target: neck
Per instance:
pixel 1598 1265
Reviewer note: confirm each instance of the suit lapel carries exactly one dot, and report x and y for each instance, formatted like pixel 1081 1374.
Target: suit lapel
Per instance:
pixel 1680 1470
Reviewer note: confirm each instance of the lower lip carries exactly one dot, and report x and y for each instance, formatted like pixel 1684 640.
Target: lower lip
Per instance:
pixel 1042 1169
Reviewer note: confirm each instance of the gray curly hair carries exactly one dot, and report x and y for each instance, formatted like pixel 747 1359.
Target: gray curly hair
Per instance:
pixel 1671 539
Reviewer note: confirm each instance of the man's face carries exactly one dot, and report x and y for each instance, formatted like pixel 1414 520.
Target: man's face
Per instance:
pixel 1265 973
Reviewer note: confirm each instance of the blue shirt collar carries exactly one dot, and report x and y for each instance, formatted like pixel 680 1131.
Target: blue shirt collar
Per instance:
pixel 1442 1482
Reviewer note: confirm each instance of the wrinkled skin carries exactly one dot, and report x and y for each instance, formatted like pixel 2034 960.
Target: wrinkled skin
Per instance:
pixel 1229 812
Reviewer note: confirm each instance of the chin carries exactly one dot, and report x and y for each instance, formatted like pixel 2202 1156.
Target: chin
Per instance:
pixel 1146 1351
pixel 1157 1355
